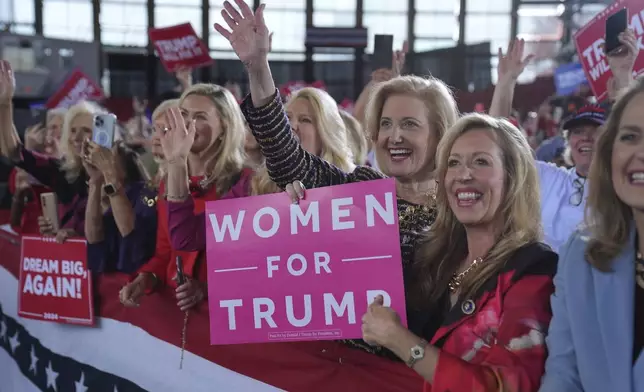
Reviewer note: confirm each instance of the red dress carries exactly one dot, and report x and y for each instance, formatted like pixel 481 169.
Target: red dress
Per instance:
pixel 495 340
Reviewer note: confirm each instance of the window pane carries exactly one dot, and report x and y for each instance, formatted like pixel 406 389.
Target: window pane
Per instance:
pixel 165 16
pixel 334 19
pixel 386 5
pixel 288 27
pixel 124 24
pixel 216 40
pixel 284 5
pixel 489 6
pixel 68 19
pixel 493 28
pixel 179 3
pixel 442 6
pixel 17 11
pixel 334 5
pixel 436 26
pixel 23 29
pixel 386 23
pixel 425 44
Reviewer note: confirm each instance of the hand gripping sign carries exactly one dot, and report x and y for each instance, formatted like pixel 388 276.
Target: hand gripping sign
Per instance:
pixel 279 271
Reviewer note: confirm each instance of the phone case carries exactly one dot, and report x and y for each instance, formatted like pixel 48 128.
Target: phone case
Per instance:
pixel 616 24
pixel 104 130
pixel 49 203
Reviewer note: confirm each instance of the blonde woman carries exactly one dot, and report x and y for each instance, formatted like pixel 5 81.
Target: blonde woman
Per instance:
pixel 66 175
pixel 597 333
pixel 203 147
pixel 483 271
pixel 356 138
pixel 407 117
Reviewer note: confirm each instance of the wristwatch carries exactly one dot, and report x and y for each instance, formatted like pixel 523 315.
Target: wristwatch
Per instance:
pixel 110 189
pixel 417 353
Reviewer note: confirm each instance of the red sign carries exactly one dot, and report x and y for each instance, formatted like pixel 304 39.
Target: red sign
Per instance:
pixel 590 38
pixel 55 284
pixel 77 87
pixel 179 47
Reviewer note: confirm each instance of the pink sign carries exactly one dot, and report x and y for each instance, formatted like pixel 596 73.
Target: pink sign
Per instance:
pixel 279 271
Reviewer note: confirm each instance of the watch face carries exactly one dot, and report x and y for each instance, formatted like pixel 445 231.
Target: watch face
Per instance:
pixel 417 352
pixel 109 189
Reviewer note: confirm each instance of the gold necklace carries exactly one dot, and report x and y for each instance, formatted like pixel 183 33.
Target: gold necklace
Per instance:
pixel 639 269
pixel 457 278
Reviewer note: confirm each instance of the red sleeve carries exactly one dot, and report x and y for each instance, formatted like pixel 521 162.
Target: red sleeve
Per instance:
pixel 516 361
pixel 11 182
pixel 158 264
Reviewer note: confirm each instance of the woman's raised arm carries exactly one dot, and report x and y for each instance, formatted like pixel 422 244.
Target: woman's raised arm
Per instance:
pixel 286 160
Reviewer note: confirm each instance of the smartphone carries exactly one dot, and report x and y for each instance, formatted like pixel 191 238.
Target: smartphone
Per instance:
pixel 616 24
pixel 181 279
pixel 104 130
pixel 49 203
pixel 383 52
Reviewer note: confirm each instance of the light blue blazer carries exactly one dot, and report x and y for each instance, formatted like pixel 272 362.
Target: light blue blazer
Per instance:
pixel 590 341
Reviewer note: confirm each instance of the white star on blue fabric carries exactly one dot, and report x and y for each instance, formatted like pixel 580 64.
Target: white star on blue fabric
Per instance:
pixel 51 377
pixel 3 330
pixel 34 361
pixel 80 384
pixel 14 342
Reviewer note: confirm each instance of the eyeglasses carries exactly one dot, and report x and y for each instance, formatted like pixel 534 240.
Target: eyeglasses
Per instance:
pixel 577 197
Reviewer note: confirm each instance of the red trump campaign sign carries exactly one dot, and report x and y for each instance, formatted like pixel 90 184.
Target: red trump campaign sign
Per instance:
pixel 280 272
pixel 55 284
pixel 179 47
pixel 590 38
pixel 78 87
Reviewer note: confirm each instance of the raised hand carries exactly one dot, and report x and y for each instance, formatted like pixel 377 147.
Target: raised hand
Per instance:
pixel 399 59
pixel 248 35
pixel 184 76
pixel 512 64
pixel 177 140
pixel 7 82
pixel 622 62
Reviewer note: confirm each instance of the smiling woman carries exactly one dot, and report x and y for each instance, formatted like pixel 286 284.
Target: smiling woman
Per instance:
pixel 602 268
pixel 484 276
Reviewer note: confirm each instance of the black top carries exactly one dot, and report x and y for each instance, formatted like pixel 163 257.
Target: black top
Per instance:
pixel 638 334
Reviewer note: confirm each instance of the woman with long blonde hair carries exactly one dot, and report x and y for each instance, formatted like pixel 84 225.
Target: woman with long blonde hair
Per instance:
pixel 596 338
pixel 203 147
pixel 482 270
pixel 356 138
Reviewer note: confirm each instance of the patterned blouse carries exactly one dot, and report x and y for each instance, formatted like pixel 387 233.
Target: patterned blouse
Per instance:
pixel 287 162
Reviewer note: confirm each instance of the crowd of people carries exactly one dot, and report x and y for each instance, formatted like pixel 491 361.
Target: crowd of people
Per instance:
pixel 519 274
